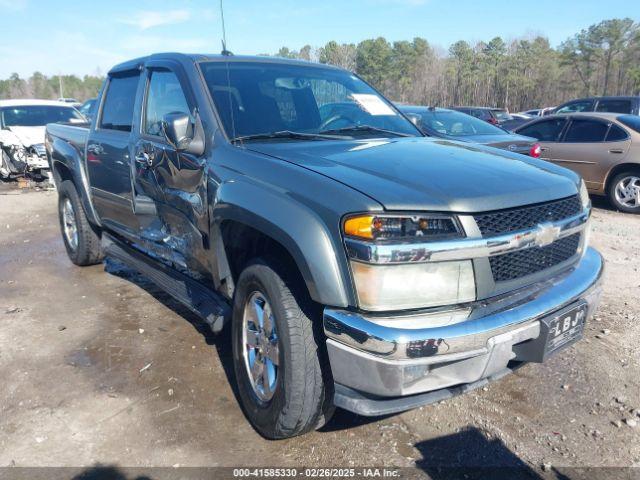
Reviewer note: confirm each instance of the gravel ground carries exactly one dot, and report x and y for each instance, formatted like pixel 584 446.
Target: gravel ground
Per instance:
pixel 101 367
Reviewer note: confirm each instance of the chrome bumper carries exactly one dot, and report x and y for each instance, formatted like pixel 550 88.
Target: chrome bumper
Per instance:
pixel 391 356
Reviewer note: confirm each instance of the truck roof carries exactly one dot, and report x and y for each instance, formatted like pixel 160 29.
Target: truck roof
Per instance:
pixel 200 57
pixel 18 102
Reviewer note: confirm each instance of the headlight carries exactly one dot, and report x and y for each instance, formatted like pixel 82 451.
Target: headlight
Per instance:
pixel 407 285
pixel 584 195
pixel 413 285
pixel 401 227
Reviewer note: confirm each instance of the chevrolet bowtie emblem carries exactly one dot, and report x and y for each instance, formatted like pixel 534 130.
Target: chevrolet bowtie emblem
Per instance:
pixel 546 234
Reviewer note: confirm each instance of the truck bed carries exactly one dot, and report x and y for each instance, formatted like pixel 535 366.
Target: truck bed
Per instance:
pixel 75 134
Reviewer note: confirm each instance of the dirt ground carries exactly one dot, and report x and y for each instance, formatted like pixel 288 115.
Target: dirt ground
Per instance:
pixel 97 366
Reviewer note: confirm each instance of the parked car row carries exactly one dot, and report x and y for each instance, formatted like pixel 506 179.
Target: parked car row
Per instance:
pixel 604 148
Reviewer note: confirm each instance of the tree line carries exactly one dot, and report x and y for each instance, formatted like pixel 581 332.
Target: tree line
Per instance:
pixel 603 59
pixel 39 85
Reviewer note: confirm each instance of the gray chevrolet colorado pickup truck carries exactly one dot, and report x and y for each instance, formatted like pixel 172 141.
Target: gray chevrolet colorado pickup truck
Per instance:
pixel 359 264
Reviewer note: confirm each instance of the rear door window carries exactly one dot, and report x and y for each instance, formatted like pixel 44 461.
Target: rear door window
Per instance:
pixel 573 107
pixel 614 106
pixel 117 111
pixel 616 134
pixel 586 131
pixel 544 130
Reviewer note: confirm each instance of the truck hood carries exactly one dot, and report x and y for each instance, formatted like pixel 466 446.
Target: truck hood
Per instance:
pixel 29 135
pixel 429 174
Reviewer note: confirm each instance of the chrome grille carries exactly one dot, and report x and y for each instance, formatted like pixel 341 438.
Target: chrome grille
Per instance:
pixel 520 263
pixel 521 218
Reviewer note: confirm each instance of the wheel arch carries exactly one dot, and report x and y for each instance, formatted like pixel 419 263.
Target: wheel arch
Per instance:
pixel 620 168
pixel 274 224
pixel 67 164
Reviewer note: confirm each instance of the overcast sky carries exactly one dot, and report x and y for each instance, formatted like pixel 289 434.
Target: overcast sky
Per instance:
pixel 86 36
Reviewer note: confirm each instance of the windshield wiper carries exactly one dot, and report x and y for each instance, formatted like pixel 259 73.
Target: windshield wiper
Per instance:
pixel 365 128
pixel 287 134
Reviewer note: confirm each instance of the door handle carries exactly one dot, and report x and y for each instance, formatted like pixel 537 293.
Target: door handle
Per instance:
pixel 95 148
pixel 144 159
pixel 543 149
pixel 616 150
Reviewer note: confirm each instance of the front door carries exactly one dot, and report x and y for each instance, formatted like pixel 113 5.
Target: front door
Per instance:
pixel 170 185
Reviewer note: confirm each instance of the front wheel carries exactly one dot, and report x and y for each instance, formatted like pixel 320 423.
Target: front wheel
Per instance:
pixel 279 359
pixel 81 239
pixel 624 192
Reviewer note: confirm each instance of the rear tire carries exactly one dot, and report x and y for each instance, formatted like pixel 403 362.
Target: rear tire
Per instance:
pixel 297 397
pixel 624 191
pixel 81 239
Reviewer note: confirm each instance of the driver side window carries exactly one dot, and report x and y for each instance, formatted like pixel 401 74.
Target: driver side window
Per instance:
pixel 164 95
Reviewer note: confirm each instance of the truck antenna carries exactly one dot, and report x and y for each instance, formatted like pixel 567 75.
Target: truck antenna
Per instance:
pixel 224 33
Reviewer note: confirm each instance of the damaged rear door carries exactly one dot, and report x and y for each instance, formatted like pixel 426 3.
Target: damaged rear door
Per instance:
pixel 169 185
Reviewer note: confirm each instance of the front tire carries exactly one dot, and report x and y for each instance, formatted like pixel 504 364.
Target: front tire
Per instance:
pixel 81 239
pixel 624 192
pixel 278 353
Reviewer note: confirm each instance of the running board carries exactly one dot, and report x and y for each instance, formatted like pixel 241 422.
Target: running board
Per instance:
pixel 202 301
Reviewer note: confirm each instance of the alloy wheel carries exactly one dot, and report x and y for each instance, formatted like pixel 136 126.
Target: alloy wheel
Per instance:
pixel 69 224
pixel 261 351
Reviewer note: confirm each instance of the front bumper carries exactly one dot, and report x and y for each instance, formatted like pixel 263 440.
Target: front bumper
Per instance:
pixel 395 356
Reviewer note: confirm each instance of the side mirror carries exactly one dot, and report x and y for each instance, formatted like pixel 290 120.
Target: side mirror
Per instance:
pixel 178 129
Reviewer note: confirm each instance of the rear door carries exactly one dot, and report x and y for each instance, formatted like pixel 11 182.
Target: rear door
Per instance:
pixel 589 146
pixel 109 151
pixel 547 132
pixel 170 186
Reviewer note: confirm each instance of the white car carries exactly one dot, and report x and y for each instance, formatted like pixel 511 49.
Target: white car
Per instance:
pixel 22 128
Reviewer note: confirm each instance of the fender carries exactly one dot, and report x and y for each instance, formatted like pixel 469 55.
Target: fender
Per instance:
pixel 64 154
pixel 299 229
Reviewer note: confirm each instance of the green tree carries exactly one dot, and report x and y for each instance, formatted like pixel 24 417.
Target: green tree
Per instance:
pixel 373 61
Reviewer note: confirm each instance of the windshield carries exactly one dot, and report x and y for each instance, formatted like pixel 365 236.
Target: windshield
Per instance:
pixel 455 124
pixel 37 115
pixel 631 121
pixel 256 99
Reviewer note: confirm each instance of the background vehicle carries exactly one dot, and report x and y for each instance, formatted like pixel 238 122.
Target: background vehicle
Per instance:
pixel 495 116
pixel 72 101
pixel 330 238
pixel 604 148
pixel 87 108
pixel 445 123
pixel 22 128
pixel 630 105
